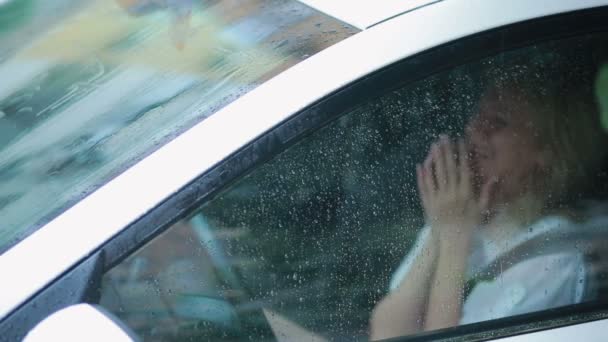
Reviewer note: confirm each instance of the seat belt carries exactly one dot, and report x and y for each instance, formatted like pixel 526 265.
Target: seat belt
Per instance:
pixel 584 242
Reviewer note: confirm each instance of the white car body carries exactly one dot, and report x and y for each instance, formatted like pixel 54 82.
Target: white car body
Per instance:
pixel 392 31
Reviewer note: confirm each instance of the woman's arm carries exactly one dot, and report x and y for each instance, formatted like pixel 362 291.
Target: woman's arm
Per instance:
pixel 402 312
pixel 447 287
pixel 431 294
pixel 454 212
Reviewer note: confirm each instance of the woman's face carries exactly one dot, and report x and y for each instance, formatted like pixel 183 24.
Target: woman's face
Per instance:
pixel 502 144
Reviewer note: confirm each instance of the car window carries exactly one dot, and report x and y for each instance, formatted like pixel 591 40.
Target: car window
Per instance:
pixel 473 194
pixel 91 87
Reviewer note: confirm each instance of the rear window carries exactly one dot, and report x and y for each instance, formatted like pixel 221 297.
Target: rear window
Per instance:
pixel 91 87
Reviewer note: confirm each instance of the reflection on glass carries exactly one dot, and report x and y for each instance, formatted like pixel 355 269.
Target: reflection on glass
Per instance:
pixel 89 87
pixel 475 194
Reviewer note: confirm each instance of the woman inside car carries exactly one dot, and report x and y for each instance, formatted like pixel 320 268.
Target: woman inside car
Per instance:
pixel 495 199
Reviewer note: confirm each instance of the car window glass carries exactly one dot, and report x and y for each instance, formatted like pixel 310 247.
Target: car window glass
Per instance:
pixel 91 87
pixel 476 193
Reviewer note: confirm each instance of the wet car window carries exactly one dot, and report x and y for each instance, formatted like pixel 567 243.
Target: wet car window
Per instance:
pixel 90 87
pixel 477 193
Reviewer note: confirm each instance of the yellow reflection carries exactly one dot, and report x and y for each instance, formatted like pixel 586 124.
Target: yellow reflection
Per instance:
pixel 159 40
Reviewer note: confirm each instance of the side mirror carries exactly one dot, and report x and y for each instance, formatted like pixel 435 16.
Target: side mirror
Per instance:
pixel 81 322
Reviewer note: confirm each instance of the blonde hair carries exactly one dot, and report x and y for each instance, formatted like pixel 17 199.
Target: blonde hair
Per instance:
pixel 565 123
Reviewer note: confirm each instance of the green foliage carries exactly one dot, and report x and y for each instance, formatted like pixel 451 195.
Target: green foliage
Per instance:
pixel 601 92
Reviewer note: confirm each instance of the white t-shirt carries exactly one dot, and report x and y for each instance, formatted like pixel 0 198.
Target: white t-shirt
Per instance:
pixel 536 283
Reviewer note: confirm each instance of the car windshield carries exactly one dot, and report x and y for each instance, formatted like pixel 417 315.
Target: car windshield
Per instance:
pixel 89 87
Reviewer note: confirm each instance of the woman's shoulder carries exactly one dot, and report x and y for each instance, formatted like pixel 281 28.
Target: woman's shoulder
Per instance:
pixel 533 284
pixel 547 267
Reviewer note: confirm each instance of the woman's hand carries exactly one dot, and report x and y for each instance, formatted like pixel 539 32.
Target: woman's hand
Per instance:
pixel 453 211
pixel 446 189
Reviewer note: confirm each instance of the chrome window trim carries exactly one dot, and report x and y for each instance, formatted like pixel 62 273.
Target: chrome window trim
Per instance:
pixel 36 261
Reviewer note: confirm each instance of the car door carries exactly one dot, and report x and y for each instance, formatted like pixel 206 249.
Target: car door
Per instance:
pixel 299 232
